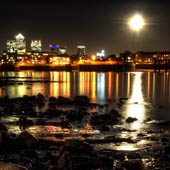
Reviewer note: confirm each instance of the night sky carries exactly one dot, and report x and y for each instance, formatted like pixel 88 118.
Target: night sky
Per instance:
pixel 96 24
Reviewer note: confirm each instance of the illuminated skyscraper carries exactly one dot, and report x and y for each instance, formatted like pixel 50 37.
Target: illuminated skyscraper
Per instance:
pixel 11 46
pixel 36 45
pixel 100 55
pixel 62 49
pixel 81 51
pixel 54 48
pixel 20 44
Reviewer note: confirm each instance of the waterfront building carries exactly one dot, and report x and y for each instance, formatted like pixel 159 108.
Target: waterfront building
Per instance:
pixel 57 49
pixel 100 55
pixel 20 44
pixel 143 57
pixel 81 51
pixel 36 57
pixel 36 45
pixel 11 46
pixel 54 48
pixel 62 50
pixel 58 59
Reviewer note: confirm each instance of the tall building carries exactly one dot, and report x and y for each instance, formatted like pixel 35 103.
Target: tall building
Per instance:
pixel 11 46
pixel 54 48
pixel 81 51
pixel 62 49
pixel 20 44
pixel 36 45
pixel 100 55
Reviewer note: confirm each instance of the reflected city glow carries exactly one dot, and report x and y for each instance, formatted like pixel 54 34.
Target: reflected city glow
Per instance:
pixel 109 85
pixel 101 86
pixel 60 84
pixel 93 89
pixel 117 85
pixel 82 83
pixel 97 86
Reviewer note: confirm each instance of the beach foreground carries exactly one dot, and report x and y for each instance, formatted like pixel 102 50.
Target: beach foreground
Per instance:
pixel 63 134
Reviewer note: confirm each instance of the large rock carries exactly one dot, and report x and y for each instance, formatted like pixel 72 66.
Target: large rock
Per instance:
pixel 76 146
pixel 131 119
pixel 136 164
pixel 63 100
pixel 40 99
pixel 81 100
pixel 106 118
pixel 65 161
pixel 11 166
pixel 3 133
pixel 77 154
pixel 26 139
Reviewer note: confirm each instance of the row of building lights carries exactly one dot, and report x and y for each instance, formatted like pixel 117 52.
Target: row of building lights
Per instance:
pixel 18 45
pixel 16 53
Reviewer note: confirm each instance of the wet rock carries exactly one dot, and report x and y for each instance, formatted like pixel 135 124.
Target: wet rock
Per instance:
pixel 106 118
pixel 76 154
pixel 167 150
pixel 74 115
pixel 64 123
pixel 82 162
pixel 7 141
pixel 14 158
pixel 65 161
pixel 76 146
pixel 122 100
pixel 51 113
pixel 40 100
pixel 115 115
pixel 81 100
pixel 11 166
pixel 24 122
pixel 63 101
pixel 103 162
pixel 133 155
pixel 136 164
pixel 26 139
pixel 59 136
pixel 26 162
pixel 51 156
pixel 52 98
pixel 29 153
pixel 40 122
pixel 93 105
pixel 131 119
pixel 85 135
pixel 104 128
pixel 3 133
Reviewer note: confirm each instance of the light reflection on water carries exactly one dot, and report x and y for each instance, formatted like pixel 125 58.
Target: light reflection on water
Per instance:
pixel 149 90
pixel 135 107
pixel 148 94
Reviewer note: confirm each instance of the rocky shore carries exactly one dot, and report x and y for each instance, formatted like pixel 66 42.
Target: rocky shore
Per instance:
pixel 75 134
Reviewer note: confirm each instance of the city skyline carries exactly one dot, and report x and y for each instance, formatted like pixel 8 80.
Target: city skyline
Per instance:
pixel 97 25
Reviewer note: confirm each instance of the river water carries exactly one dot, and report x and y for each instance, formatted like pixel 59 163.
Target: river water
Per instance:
pixel 148 96
pixel 149 89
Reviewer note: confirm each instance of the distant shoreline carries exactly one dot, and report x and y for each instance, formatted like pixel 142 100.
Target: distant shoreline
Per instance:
pixel 68 67
pixel 86 67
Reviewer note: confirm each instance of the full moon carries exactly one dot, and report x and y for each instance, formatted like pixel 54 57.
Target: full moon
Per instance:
pixel 136 22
